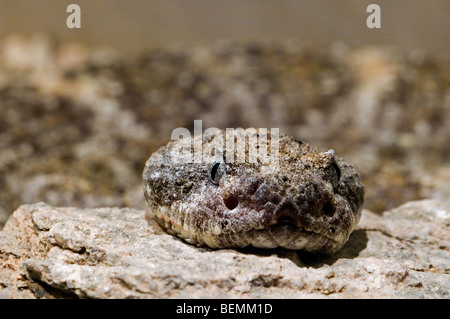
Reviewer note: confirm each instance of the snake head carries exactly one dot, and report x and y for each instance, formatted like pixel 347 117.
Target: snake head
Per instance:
pixel 300 199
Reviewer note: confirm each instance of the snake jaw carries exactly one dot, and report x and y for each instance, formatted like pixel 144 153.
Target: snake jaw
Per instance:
pixel 281 228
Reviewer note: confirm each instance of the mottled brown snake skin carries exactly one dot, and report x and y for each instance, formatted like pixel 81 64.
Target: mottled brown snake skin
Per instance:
pixel 311 200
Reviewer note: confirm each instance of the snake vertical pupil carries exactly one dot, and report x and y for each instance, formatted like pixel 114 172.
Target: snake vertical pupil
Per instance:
pixel 214 173
pixel 338 170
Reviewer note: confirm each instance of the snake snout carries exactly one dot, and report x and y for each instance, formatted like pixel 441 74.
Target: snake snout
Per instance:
pixel 287 214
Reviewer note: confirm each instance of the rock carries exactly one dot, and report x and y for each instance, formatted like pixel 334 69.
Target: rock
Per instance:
pixel 50 252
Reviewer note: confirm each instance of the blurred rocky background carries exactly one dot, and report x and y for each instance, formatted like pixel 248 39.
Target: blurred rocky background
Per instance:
pixel 82 110
pixel 144 24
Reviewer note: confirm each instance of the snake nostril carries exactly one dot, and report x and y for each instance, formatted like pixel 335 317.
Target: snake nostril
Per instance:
pixel 253 188
pixel 328 209
pixel 231 202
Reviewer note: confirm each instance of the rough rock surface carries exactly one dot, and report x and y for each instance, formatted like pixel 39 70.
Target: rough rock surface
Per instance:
pixel 48 252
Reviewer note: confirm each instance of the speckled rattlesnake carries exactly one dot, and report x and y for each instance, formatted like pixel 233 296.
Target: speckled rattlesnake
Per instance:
pixel 307 200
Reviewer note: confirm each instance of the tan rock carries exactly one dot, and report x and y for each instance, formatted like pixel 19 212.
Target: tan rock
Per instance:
pixel 50 252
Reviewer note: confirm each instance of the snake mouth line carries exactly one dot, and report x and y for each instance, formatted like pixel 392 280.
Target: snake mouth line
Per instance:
pixel 295 229
pixel 281 227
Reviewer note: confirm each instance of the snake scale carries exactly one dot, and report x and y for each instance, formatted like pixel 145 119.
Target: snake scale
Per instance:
pixel 310 200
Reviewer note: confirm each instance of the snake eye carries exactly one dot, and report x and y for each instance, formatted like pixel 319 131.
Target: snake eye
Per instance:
pixel 337 172
pixel 216 172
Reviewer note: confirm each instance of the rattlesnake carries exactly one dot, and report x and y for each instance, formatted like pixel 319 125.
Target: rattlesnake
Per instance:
pixel 310 200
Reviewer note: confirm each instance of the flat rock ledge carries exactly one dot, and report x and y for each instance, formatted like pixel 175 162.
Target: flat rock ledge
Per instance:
pixel 52 252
